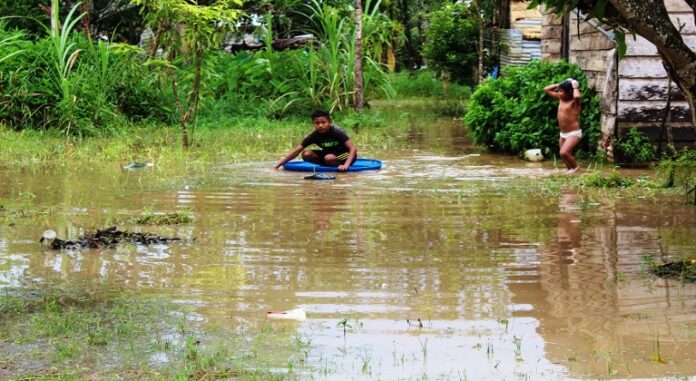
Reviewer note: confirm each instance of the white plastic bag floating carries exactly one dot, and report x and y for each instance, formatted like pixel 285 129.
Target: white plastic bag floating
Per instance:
pixel 296 314
pixel 533 155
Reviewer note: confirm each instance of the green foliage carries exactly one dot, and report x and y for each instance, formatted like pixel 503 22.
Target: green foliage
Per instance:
pixel 601 180
pixel 680 172
pixel 24 15
pixel 634 148
pixel 452 41
pixel 66 82
pixel 276 84
pixel 424 83
pixel 513 113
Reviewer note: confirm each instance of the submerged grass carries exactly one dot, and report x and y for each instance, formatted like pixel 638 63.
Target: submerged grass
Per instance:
pixel 217 139
pixel 151 218
pixel 102 332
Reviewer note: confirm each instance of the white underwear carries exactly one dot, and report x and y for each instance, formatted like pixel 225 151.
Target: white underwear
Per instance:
pixel 566 135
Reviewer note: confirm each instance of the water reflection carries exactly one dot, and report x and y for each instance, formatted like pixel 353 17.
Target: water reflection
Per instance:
pixel 504 286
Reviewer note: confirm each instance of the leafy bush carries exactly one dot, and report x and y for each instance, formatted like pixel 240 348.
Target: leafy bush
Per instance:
pixel 452 41
pixel 634 148
pixel 680 172
pixel 513 113
pixel 90 92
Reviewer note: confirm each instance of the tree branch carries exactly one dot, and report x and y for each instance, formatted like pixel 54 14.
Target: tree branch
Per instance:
pixel 114 7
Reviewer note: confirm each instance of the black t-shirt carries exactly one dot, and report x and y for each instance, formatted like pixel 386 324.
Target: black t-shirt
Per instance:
pixel 333 141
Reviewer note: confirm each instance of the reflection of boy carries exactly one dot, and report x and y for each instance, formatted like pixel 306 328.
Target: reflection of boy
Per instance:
pixel 569 107
pixel 336 147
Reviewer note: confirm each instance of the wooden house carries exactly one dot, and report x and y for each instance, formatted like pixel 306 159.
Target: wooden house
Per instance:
pixel 634 90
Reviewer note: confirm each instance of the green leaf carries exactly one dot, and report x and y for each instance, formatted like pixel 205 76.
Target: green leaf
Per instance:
pixel 621 43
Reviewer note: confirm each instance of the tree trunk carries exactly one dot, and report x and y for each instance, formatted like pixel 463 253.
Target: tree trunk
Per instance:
pixel 358 56
pixel 501 19
pixel 479 18
pixel 413 57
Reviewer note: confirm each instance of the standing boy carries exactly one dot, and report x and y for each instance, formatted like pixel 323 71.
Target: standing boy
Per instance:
pixel 569 107
pixel 336 147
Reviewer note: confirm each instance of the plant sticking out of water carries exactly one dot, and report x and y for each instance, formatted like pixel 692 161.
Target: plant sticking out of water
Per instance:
pixel 505 322
pixel 656 355
pixel 682 269
pixel 518 347
pixel 424 347
pixel 600 180
pixel 610 363
pixel 151 218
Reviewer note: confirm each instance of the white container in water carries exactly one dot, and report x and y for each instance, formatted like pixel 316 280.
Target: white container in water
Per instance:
pixel 296 314
pixel 533 155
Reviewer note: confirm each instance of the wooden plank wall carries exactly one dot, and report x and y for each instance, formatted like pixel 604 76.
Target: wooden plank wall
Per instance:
pixel 595 54
pixel 642 91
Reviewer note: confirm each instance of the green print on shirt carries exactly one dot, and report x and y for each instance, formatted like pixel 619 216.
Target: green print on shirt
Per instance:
pixel 328 144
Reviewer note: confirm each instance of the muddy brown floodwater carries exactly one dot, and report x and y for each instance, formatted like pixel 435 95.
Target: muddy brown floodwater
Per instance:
pixel 440 271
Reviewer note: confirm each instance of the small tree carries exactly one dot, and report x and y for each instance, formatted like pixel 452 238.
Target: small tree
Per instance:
pixel 452 41
pixel 187 32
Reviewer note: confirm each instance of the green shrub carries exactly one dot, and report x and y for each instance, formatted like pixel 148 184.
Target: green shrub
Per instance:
pixel 634 148
pixel 680 172
pixel 106 84
pixel 452 41
pixel 513 113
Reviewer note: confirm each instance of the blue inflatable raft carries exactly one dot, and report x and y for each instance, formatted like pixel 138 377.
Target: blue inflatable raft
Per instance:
pixel 358 165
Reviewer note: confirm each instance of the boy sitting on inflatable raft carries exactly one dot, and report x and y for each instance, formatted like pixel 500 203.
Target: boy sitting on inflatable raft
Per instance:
pixel 336 147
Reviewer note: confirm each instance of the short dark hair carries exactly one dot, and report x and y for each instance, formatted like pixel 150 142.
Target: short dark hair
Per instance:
pixel 320 114
pixel 566 86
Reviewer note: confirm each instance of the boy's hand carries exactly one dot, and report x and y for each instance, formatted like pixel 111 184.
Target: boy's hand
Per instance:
pixel 575 84
pixel 342 167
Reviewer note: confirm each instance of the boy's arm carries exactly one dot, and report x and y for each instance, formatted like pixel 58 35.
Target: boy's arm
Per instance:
pixel 352 152
pixel 551 90
pixel 291 155
pixel 577 97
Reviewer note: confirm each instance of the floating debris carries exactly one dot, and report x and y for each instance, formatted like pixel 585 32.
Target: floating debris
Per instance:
pixel 137 165
pixel 109 237
pixel 296 314
pixel 320 176
pixel 684 270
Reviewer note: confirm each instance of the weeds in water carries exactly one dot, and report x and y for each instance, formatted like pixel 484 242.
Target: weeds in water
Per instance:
pixel 608 358
pixel 78 326
pixel 424 347
pixel 151 218
pixel 656 355
pixel 518 347
pixel 601 180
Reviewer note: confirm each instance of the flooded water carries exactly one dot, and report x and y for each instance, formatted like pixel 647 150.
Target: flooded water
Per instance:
pixel 435 269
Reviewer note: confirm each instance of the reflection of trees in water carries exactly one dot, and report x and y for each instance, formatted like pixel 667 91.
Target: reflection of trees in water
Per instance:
pixel 592 301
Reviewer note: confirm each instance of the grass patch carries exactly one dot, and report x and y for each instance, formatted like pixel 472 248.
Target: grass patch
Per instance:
pixel 151 218
pixel 684 269
pixel 217 138
pixel 600 179
pixel 98 332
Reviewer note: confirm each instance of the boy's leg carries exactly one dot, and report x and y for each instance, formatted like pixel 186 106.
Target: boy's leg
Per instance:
pixel 313 156
pixel 330 159
pixel 566 153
